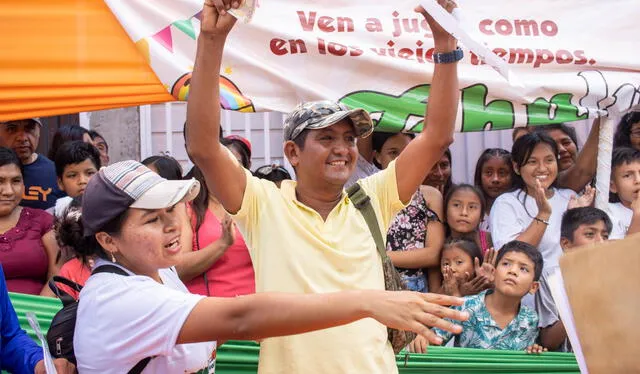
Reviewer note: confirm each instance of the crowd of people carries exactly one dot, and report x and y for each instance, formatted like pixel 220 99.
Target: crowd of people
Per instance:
pixel 292 263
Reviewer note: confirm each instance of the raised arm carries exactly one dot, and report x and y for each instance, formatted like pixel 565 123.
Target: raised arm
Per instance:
pixel 263 315
pixel 225 178
pixel 415 162
pixel 583 171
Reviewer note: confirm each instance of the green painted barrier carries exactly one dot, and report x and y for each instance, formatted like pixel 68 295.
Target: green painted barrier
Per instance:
pixel 238 357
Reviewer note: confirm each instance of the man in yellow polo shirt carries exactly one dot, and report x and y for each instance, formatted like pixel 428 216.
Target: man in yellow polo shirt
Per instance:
pixel 307 237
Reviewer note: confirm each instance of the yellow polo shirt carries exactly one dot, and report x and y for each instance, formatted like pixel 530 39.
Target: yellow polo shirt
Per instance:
pixel 294 250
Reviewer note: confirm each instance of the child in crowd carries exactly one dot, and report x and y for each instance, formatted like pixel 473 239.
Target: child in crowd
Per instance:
pixel 580 227
pixel 625 189
pixel 498 320
pixel 165 166
pixel 494 176
pixel 75 268
pixel 76 163
pixel 465 208
pixel 465 272
pixel 274 173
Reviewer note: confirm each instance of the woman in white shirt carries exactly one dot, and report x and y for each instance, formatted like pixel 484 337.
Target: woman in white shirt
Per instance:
pixel 532 211
pixel 129 221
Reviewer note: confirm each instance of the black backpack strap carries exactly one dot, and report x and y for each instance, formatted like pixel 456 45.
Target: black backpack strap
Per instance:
pixel 118 270
pixel 61 294
pixel 362 202
pixel 140 366
pixel 110 269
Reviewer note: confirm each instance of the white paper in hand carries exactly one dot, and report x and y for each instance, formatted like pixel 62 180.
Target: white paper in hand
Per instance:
pixel 245 12
pixel 451 23
pixel 48 360
pixel 556 284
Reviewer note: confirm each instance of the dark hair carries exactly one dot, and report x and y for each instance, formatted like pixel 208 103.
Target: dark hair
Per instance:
pixel 449 182
pixel 568 130
pixel 8 156
pixel 464 186
pixel 65 134
pixel 488 154
pixel 516 130
pixel 522 150
pixel 301 138
pixel 240 147
pixel 167 166
pixel 622 156
pixel 69 233
pixel 273 173
pixel 379 138
pixel 94 134
pixel 530 251
pixel 622 137
pixel 76 152
pixel 574 218
pixel 201 202
pixel 469 247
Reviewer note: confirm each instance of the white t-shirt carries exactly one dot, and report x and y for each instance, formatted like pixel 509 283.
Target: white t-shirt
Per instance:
pixel 124 319
pixel 509 219
pixel 621 218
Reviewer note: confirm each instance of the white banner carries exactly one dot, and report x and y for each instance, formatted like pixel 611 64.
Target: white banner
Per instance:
pixel 574 58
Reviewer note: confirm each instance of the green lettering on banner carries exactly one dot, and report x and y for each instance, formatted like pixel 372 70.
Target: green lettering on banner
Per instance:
pixel 558 110
pixel 405 112
pixel 478 115
pixel 396 112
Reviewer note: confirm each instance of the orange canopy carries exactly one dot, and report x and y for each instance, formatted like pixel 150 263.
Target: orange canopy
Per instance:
pixel 67 56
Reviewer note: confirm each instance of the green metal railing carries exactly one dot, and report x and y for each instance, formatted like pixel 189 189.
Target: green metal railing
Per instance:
pixel 237 357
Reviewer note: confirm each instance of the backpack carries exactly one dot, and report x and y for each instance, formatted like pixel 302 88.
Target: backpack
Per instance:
pixel 63 324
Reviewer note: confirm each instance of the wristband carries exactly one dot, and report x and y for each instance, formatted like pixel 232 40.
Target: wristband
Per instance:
pixel 541 220
pixel 448 57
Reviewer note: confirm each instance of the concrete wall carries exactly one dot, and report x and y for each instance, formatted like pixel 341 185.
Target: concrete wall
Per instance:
pixel 121 130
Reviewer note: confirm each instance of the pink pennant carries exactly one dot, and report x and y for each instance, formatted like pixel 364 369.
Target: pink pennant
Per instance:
pixel 164 37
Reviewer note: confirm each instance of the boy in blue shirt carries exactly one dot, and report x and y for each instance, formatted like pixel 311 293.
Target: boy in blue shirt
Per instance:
pixel 498 320
pixel 580 227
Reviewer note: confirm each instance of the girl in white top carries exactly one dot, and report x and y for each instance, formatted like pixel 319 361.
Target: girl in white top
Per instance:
pixel 129 220
pixel 533 211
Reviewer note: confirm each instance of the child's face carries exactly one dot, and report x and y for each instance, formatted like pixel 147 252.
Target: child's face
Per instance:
pixel 514 275
pixel 625 182
pixel 459 261
pixel 76 176
pixel 586 234
pixel 496 177
pixel 463 211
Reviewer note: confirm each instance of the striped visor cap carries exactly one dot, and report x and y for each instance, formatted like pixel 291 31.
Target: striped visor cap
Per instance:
pixel 129 184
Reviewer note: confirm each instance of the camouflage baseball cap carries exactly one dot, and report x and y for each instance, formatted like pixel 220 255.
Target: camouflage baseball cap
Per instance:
pixel 321 114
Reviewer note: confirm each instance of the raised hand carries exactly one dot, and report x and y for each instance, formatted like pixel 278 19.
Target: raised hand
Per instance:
pixel 540 195
pixel 418 312
pixel 439 34
pixel 228 230
pixel 450 285
pixel 475 285
pixel 216 21
pixel 585 199
pixel 488 267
